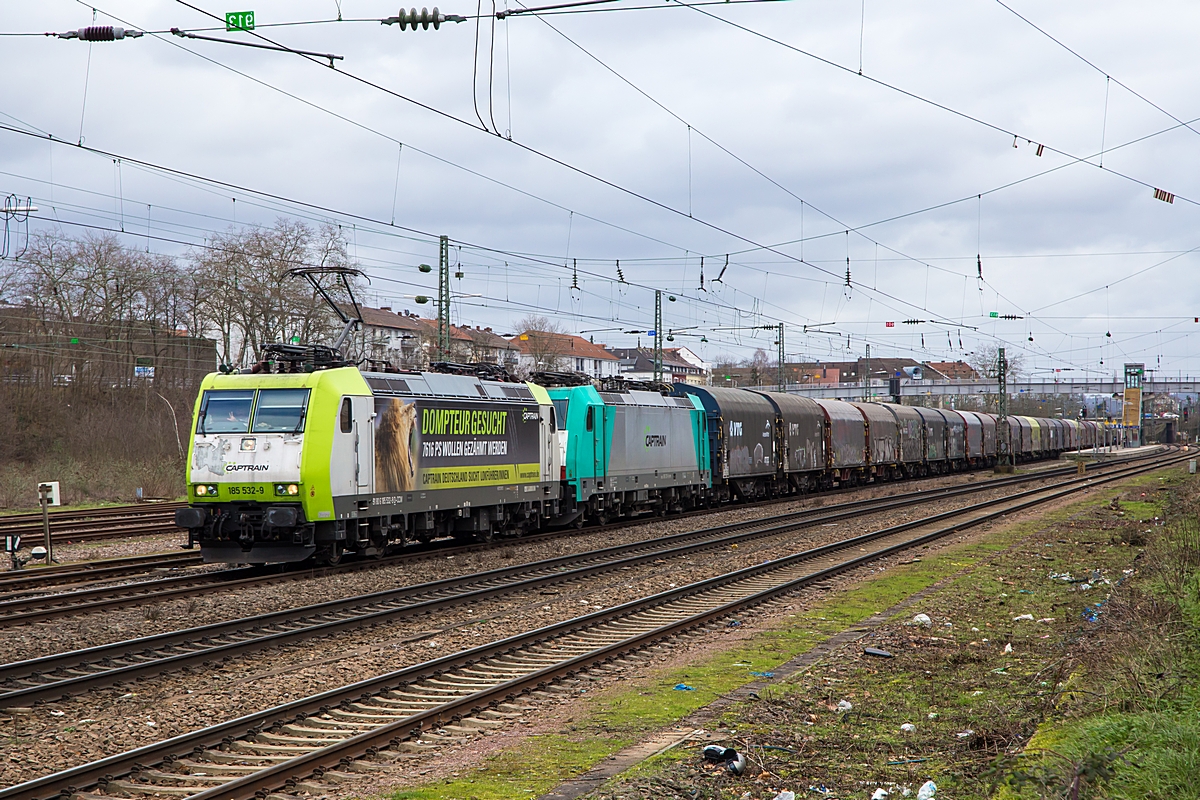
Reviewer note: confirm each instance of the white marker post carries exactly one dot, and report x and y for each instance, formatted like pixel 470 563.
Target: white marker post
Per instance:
pixel 48 496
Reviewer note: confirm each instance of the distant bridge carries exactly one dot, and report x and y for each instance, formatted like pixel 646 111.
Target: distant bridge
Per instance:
pixel 912 388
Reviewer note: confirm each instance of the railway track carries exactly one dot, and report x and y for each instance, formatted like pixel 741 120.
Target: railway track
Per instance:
pixel 39 578
pixel 453 697
pixel 85 525
pixel 49 606
pixel 16 583
pixel 53 677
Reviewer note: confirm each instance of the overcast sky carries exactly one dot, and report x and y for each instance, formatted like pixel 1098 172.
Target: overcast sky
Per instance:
pixel 658 136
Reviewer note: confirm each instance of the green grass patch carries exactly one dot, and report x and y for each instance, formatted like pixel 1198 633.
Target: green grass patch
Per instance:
pixel 607 721
pixel 614 718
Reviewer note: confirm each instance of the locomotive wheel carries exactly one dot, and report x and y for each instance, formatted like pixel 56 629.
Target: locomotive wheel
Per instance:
pixel 329 556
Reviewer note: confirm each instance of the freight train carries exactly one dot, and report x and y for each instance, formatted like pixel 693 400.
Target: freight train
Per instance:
pixel 293 461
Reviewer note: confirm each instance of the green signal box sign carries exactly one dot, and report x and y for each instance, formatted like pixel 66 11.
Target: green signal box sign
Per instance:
pixel 993 314
pixel 239 20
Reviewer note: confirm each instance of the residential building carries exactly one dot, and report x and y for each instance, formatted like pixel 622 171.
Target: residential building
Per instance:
pixel 684 354
pixel 637 364
pixel 954 370
pixel 400 340
pixel 541 351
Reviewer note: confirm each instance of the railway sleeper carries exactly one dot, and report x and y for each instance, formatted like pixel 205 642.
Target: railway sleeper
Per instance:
pixel 241 759
pixel 256 749
pixel 130 788
pixel 212 767
pixel 477 723
pixel 183 779
pixel 338 724
pixel 316 733
pixel 377 718
pixel 304 740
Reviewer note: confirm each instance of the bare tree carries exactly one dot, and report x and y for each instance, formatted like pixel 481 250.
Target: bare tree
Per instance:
pixel 760 365
pixel 986 361
pixel 250 302
pixel 87 311
pixel 544 340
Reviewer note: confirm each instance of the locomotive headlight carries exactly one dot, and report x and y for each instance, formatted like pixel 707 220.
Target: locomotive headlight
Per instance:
pixel 206 490
pixel 287 489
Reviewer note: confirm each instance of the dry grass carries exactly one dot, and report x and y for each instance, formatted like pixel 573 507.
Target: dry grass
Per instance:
pixel 101 445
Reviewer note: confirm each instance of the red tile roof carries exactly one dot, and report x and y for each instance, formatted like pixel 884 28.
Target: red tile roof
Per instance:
pixel 564 344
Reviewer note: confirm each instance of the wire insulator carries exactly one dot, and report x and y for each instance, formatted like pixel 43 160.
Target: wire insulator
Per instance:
pixel 100 33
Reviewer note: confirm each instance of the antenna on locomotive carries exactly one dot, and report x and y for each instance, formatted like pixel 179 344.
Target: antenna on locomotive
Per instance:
pixel 342 275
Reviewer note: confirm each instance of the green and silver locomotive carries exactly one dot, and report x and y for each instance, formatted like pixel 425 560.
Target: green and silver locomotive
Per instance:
pixel 292 461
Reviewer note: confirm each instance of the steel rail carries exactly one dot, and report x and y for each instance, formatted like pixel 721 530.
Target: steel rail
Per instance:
pixel 468 668
pixel 60 675
pixel 38 577
pixel 50 606
pixel 95 524
pixel 103 598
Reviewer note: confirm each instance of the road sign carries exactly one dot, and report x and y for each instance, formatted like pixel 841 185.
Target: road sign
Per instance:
pixel 239 20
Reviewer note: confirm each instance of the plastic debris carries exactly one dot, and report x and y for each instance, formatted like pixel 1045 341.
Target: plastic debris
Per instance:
pixel 820 789
pixel 737 764
pixel 877 652
pixel 844 706
pixel 1046 619
pixel 922 619
pixel 1083 587
pixel 58 713
pixel 733 623
pixel 785 796
pixel 927 791
pixel 683 687
pixel 762 674
pixel 932 715
pixel 965 734
pixel 717 753
pixel 1023 617
pixel 908 727
pixel 1008 648
pixel 879 794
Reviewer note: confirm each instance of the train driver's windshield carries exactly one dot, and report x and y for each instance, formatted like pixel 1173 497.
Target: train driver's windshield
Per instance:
pixel 280 410
pixel 225 411
pixel 560 408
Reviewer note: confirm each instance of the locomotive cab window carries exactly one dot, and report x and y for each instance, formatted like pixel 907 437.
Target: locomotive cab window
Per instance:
pixel 225 411
pixel 280 411
pixel 560 409
pixel 347 418
pixel 591 417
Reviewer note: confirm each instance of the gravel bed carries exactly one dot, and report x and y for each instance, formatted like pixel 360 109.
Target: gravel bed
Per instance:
pixel 59 735
pixel 69 633
pixel 115 548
